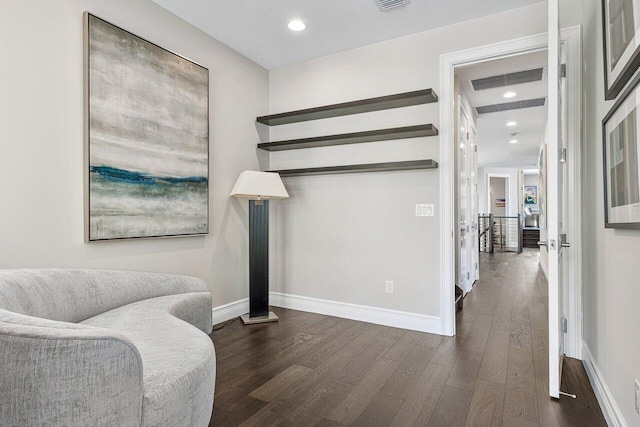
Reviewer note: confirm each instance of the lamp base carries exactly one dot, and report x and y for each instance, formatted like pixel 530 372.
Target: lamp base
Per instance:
pixel 248 320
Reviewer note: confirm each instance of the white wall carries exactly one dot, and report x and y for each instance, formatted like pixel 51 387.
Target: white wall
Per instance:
pixel 340 237
pixel 41 154
pixel 611 271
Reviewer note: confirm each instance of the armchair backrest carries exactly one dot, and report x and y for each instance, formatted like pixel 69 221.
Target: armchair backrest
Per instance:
pixel 74 295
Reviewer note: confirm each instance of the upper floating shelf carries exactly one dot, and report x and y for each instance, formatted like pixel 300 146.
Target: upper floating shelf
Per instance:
pixel 372 167
pixel 424 96
pixel 352 138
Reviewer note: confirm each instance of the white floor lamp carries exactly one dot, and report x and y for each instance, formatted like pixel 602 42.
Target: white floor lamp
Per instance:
pixel 259 187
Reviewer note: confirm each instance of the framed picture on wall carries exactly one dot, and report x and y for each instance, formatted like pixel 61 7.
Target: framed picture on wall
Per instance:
pixel 146 138
pixel 542 184
pixel 530 194
pixel 621 31
pixel 622 161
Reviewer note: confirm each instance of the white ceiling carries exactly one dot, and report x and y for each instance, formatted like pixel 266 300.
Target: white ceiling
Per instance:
pixel 258 28
pixel 493 133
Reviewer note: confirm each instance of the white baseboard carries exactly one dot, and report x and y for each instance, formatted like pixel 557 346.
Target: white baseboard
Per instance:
pixel 380 316
pixel 229 311
pixel 609 407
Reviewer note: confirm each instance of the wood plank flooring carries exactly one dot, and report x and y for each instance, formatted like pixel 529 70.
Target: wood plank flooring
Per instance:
pixel 313 370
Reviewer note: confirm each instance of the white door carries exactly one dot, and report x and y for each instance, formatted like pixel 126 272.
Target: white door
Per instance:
pixel 555 223
pixel 464 273
pixel 473 173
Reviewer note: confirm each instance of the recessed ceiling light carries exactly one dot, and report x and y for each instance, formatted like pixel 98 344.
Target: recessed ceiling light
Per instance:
pixel 297 25
pixel 509 94
pixel 513 141
pixel 512 124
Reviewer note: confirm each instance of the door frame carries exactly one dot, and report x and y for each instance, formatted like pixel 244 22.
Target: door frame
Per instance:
pixel 572 38
pixel 507 190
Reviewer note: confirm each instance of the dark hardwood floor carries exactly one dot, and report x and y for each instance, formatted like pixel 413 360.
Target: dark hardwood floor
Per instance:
pixel 313 370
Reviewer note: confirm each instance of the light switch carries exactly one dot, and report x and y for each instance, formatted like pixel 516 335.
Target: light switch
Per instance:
pixel 424 209
pixel 429 210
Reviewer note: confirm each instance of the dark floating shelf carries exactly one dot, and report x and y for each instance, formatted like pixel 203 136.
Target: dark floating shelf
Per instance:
pixel 372 167
pixel 424 96
pixel 352 138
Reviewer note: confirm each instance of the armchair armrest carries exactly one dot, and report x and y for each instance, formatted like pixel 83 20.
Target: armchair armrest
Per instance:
pixel 62 374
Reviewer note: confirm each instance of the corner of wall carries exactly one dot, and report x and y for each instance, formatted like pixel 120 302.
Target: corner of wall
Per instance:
pixel 610 409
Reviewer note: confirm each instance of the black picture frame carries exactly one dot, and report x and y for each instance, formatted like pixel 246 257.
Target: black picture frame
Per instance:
pixel 618 218
pixel 620 62
pixel 146 156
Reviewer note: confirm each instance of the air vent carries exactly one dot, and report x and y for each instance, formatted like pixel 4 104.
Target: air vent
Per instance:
pixel 517 105
pixel 390 4
pixel 520 77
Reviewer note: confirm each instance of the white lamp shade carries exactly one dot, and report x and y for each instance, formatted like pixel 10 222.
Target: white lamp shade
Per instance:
pixel 259 186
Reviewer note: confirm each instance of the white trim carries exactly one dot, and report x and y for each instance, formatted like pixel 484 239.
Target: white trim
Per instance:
pixel 380 316
pixel 610 408
pixel 225 312
pixel 447 179
pixel 448 62
pixel 507 191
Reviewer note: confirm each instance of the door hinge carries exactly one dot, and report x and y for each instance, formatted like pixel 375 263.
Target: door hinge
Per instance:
pixel 476 265
pixel 563 155
pixel 468 275
pixel 563 70
pixel 564 325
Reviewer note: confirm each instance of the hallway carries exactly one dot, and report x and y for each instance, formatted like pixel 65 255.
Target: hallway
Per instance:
pixel 503 339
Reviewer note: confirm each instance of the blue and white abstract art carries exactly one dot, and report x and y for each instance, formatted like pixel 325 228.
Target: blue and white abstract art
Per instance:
pixel 147 138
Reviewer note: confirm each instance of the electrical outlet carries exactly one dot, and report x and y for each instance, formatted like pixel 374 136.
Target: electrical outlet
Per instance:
pixel 388 286
pixel 637 387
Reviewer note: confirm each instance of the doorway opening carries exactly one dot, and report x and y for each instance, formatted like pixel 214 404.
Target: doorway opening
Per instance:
pixel 455 185
pixel 498 197
pixel 501 113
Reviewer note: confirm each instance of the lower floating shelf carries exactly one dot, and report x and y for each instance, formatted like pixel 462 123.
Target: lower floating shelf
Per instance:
pixel 371 167
pixel 352 138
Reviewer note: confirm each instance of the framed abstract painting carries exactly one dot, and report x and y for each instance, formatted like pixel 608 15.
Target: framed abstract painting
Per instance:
pixel 146 138
pixel 622 161
pixel 621 31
